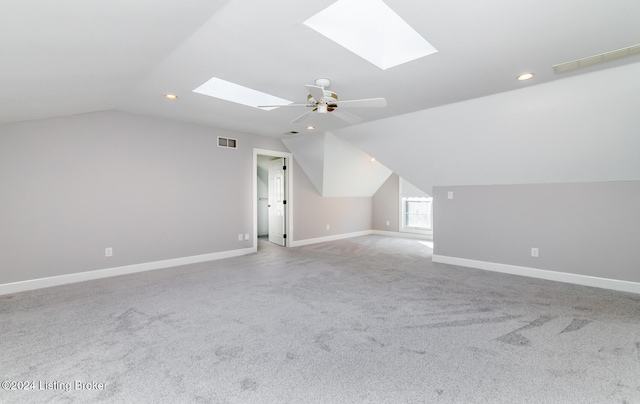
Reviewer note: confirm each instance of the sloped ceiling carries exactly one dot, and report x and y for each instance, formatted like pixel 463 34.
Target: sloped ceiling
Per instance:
pixel 581 129
pixel 337 168
pixel 66 57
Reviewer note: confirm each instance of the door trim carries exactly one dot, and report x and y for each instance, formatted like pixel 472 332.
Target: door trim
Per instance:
pixel 288 227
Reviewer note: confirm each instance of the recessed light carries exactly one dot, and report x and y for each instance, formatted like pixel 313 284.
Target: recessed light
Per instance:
pixel 373 159
pixel 228 91
pixel 311 127
pixel 525 76
pixel 171 96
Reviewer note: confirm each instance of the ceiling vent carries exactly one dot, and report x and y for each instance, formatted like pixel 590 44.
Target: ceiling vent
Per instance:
pixel 595 59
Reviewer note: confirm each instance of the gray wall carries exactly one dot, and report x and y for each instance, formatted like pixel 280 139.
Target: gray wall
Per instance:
pixel 386 205
pixel 151 189
pixel 580 129
pixel 312 212
pixel 582 228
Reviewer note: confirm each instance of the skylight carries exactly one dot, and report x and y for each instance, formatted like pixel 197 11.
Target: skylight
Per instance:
pixel 228 91
pixel 371 30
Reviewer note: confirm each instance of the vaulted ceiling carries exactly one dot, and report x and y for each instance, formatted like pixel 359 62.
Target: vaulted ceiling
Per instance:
pixel 70 56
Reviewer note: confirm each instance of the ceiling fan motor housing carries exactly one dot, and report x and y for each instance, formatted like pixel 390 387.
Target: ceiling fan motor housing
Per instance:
pixel 329 97
pixel 323 83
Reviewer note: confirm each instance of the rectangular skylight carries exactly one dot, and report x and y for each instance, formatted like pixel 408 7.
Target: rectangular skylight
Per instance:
pixel 371 30
pixel 228 91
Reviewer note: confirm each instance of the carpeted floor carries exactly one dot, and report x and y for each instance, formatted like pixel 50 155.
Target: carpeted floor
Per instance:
pixel 364 320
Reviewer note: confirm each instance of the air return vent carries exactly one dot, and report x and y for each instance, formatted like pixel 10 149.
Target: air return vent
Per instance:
pixel 595 59
pixel 227 142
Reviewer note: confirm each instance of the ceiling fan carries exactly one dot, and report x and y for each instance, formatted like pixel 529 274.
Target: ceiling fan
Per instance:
pixel 323 101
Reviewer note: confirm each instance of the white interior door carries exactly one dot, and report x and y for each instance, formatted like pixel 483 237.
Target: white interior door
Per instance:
pixel 277 202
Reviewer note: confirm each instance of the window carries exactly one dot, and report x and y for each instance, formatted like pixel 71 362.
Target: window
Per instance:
pixel 416 209
pixel 416 213
pixel 228 91
pixel 371 30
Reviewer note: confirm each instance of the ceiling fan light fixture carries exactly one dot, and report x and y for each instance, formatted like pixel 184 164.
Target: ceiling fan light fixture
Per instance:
pixel 322 108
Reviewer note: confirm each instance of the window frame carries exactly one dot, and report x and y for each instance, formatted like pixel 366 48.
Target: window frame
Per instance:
pixel 402 213
pixel 405 214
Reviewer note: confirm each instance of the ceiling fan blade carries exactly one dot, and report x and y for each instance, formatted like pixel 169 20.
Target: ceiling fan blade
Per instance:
pixel 366 103
pixel 286 105
pixel 347 116
pixel 316 92
pixel 301 117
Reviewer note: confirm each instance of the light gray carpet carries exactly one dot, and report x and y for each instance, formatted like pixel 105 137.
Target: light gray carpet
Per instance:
pixel 363 320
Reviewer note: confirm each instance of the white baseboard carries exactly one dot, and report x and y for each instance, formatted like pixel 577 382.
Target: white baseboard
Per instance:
pixel 299 243
pixel 402 235
pixel 584 280
pixel 31 284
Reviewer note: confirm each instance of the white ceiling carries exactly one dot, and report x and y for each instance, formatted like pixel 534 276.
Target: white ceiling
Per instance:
pixel 325 159
pixel 71 56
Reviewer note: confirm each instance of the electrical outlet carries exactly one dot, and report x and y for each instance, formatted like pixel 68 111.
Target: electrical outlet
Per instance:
pixel 387 223
pixel 327 227
pixel 239 237
pixel 108 252
pixel 246 237
pixel 534 252
pixel 450 195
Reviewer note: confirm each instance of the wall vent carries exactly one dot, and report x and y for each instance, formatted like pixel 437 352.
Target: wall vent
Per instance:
pixel 227 142
pixel 595 59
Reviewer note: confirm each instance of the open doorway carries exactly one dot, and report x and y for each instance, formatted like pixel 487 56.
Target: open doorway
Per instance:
pixel 272 198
